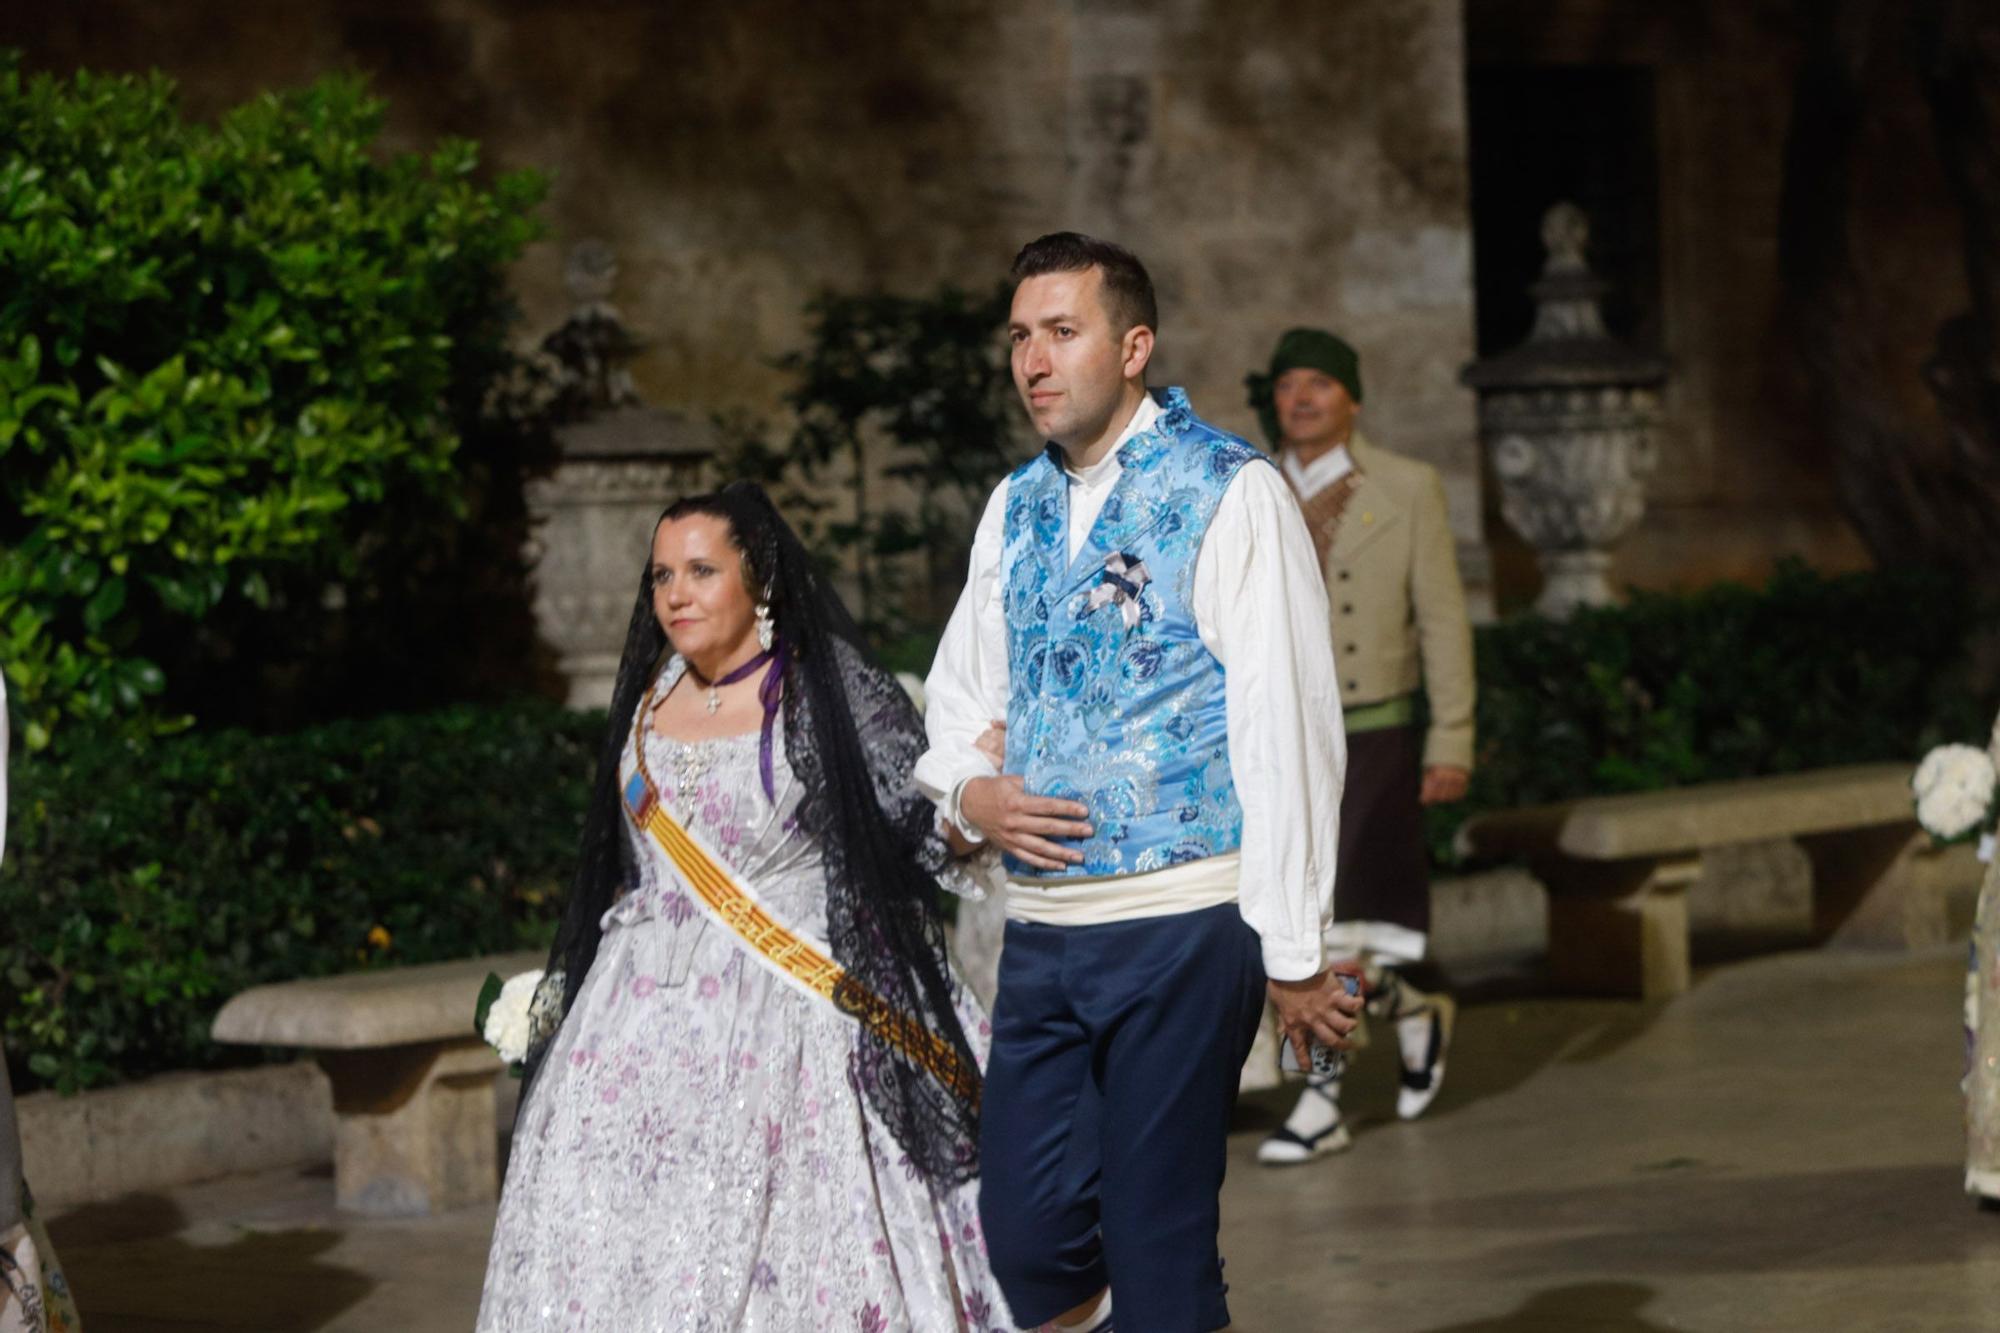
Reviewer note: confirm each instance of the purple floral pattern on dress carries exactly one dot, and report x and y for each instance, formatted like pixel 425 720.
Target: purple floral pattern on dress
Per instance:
pixel 688 1073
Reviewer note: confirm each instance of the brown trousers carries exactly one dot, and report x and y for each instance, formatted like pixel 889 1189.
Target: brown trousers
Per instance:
pixel 1384 872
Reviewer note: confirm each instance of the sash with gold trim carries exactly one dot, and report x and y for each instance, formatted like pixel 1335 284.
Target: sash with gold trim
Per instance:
pixel 804 962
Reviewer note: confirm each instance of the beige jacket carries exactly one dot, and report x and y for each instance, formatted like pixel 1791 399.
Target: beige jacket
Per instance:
pixel 1398 605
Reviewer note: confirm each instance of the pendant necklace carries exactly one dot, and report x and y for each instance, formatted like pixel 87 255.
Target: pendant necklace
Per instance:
pixel 743 672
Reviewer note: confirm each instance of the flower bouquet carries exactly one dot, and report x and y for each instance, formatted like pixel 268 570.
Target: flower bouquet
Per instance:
pixel 518 1015
pixel 1954 788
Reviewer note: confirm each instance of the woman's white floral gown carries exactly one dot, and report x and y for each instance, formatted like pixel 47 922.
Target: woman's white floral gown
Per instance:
pixel 695 1155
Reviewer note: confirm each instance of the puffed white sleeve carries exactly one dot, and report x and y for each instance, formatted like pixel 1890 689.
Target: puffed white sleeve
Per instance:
pixel 1260 603
pixel 966 690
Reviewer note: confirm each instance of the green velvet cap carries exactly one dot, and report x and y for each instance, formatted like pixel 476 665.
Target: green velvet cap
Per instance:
pixel 1313 349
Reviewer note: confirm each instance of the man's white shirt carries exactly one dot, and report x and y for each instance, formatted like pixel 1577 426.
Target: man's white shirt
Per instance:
pixel 1312 478
pixel 1260 607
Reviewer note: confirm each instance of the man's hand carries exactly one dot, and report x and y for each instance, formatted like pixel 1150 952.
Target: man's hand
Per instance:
pixel 1316 1009
pixel 1443 784
pixel 1024 825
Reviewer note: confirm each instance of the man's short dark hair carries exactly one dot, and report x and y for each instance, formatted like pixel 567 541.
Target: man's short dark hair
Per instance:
pixel 1128 289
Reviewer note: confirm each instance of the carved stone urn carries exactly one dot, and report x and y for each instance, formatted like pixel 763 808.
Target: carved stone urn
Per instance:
pixel 620 462
pixel 1567 418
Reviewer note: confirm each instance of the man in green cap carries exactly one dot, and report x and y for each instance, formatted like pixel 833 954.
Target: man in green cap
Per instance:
pixel 1398 622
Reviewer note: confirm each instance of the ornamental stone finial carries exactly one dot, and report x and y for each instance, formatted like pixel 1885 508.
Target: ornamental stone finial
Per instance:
pixel 590 272
pixel 593 345
pixel 1565 235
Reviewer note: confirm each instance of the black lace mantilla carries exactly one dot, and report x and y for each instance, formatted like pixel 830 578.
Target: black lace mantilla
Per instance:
pixel 852 737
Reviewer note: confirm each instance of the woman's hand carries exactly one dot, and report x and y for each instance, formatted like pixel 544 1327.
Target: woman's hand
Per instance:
pixel 992 743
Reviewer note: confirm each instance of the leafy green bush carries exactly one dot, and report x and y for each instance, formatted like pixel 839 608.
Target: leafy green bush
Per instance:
pixel 924 378
pixel 146 883
pixel 231 358
pixel 1729 682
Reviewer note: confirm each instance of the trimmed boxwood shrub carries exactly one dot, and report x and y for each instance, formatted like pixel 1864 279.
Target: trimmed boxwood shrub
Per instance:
pixel 1730 682
pixel 145 884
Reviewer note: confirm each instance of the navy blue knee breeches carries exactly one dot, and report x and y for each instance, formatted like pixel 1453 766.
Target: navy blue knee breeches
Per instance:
pixel 1116 1053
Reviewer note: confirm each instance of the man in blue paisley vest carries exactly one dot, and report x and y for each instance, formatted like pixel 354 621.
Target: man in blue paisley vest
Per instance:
pixel 1142 630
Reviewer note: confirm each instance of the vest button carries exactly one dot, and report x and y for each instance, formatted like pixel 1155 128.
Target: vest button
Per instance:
pixel 1347 609
pixel 1348 649
pixel 1352 686
pixel 1343 576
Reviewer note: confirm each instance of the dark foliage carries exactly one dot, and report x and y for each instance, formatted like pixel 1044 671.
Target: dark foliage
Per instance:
pixel 147 882
pixel 1729 682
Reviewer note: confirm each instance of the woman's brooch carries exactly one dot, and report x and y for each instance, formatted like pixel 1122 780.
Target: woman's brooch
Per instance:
pixel 691 765
pixel 1124 575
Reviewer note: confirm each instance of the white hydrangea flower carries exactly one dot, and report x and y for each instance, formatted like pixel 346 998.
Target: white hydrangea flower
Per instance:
pixel 509 1027
pixel 1993 745
pixel 1954 789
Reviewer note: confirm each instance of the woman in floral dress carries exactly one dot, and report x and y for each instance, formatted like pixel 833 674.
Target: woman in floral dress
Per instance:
pixel 760 1109
pixel 1982 1035
pixel 1982 1048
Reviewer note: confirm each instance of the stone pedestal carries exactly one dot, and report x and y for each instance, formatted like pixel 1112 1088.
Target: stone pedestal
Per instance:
pixel 1567 418
pixel 1620 928
pixel 1574 578
pixel 1886 888
pixel 414 1132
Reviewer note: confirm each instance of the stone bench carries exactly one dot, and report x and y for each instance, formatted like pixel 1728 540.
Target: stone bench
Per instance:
pixel 413 1093
pixel 1617 867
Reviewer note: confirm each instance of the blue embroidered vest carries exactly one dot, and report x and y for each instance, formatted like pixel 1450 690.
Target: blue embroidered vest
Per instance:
pixel 1114 700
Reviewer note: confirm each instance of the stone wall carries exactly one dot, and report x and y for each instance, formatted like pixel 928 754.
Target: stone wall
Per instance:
pixel 1273 163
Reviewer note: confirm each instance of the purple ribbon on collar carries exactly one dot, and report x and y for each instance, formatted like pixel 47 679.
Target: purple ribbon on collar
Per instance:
pixel 1124 575
pixel 769 692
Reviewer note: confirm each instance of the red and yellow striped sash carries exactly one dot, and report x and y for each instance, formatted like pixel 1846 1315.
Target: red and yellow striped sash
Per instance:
pixel 799 959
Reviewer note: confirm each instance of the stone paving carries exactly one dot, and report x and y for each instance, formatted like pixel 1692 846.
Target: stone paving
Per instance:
pixel 1775 1150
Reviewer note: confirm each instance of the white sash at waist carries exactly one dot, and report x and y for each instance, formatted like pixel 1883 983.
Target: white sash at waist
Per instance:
pixel 1096 900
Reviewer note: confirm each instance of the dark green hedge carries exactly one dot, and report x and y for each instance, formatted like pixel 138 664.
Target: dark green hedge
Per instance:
pixel 145 885
pixel 1806 672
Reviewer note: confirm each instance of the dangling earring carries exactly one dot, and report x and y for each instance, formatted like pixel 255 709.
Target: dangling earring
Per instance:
pixel 767 632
